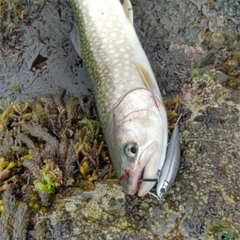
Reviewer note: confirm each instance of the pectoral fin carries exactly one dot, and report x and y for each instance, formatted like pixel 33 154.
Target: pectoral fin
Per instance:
pixel 127 7
pixel 148 81
pixel 75 37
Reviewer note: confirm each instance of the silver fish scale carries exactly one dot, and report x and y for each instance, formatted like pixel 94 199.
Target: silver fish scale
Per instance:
pixel 107 52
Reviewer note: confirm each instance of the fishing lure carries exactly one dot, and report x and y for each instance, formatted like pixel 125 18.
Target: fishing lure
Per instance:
pixel 167 175
pixel 170 168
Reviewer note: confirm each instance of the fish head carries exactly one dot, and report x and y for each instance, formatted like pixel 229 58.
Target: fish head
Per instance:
pixel 137 138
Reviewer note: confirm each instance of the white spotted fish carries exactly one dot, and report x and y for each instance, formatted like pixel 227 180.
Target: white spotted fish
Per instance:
pixel 127 96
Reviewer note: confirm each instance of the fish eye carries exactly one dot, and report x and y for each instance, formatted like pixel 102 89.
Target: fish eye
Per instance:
pixel 130 150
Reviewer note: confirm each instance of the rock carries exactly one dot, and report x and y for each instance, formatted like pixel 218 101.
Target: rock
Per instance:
pixel 221 77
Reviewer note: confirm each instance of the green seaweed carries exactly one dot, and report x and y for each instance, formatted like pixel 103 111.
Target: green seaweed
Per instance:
pixel 221 231
pixel 199 72
pixel 92 125
pixel 47 185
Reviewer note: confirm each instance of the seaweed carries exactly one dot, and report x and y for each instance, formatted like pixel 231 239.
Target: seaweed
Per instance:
pixel 70 161
pixel 53 144
pixel 40 230
pixel 41 133
pixel 221 230
pixel 51 178
pixel 14 220
pixel 5 168
pixel 199 72
pixel 46 147
pixel 173 106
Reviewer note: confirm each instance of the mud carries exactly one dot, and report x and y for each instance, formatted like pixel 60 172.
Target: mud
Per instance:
pixel 41 59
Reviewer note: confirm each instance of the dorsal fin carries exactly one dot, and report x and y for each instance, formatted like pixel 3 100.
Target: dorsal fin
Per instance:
pixel 127 7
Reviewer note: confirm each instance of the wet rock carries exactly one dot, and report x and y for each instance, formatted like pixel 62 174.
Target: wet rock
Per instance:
pixel 221 77
pixel 97 214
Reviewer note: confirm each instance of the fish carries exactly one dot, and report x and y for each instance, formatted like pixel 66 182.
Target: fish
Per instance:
pixel 171 165
pixel 128 100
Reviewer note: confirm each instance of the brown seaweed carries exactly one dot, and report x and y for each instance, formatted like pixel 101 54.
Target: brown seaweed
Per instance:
pixel 15 218
pixel 52 143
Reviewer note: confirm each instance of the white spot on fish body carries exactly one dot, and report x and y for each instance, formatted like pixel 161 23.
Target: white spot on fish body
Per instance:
pixel 103 35
pixel 109 25
pixel 122 32
pixel 116 75
pixel 126 74
pixel 99 24
pixel 114 35
pixel 113 18
pixel 92 14
pixel 114 12
pixel 120 41
pixel 94 34
pixel 104 7
pixel 111 51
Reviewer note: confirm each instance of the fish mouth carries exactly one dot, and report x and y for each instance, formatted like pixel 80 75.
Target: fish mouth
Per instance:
pixel 132 180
